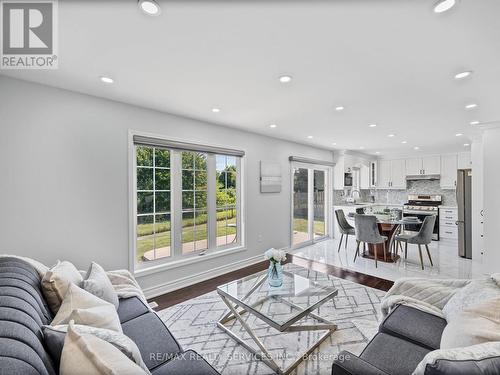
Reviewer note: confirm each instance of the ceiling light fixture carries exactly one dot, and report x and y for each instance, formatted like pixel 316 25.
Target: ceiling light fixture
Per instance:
pixel 458 135
pixel 215 110
pixel 372 125
pixel 444 5
pixel 149 7
pixel 273 126
pixel 463 75
pixel 334 144
pixel 310 136
pixel 470 106
pixel 466 144
pixel 404 142
pixel 416 148
pixel 391 135
pixel 106 79
pixel 474 122
pixel 285 79
pixel 361 148
pixel 339 108
pixel 377 152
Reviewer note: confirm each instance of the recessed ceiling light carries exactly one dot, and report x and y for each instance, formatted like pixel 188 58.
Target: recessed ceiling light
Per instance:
pixel 106 79
pixel 474 122
pixel 463 75
pixel 372 125
pixel 404 142
pixel 458 135
pixel 444 5
pixel 361 148
pixel 470 106
pixel 377 152
pixel 310 136
pixel 416 148
pixel 391 135
pixel 334 144
pixel 339 108
pixel 215 110
pixel 285 78
pixel 273 126
pixel 150 7
pixel 466 144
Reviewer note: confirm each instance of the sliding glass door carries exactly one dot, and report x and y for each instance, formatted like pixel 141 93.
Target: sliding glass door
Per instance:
pixel 309 204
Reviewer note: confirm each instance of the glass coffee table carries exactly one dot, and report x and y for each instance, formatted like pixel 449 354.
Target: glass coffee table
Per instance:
pixel 281 308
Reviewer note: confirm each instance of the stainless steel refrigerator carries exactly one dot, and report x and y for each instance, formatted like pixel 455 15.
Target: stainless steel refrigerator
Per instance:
pixel 464 203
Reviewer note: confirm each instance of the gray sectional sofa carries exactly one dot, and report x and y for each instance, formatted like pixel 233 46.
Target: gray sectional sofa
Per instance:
pixel 405 336
pixel 23 311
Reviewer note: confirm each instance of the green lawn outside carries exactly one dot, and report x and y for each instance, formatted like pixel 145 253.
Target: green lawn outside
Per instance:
pixel 300 225
pixel 145 241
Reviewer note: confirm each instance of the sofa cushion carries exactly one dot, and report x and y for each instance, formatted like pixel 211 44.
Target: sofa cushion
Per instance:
pixel 487 366
pixel 393 355
pixel 415 325
pixel 156 343
pixel 188 362
pixel 131 308
pixel 23 354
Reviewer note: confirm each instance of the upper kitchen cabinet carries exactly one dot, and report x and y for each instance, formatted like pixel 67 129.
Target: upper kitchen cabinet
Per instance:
pixel 449 166
pixel 364 174
pixel 464 160
pixel 423 166
pixel 391 174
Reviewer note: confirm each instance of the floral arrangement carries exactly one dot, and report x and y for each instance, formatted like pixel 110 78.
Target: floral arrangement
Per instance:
pixel 275 255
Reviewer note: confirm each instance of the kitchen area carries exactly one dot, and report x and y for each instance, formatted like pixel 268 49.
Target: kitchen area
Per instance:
pixel 405 187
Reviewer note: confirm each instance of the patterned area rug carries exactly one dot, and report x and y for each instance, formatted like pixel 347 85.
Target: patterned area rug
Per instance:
pixel 355 310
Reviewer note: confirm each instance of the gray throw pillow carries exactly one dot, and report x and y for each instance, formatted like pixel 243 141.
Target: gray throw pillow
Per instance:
pixel 98 283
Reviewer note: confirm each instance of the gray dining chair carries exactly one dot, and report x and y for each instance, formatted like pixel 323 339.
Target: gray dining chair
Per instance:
pixel 423 237
pixel 344 227
pixel 366 228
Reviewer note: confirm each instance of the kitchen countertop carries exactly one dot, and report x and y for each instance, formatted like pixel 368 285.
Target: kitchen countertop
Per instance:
pixel 366 204
pixel 449 207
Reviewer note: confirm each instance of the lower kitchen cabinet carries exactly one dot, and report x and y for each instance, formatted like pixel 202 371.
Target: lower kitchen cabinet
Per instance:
pixel 448 228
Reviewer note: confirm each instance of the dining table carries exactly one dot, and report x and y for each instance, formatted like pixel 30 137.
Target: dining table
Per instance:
pixel 389 228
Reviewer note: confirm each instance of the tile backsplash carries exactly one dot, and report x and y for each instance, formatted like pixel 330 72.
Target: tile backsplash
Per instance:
pixel 401 196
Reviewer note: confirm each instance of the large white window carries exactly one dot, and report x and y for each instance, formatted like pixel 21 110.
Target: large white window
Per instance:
pixel 187 200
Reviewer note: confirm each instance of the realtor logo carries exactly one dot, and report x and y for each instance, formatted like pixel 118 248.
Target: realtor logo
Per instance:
pixel 29 39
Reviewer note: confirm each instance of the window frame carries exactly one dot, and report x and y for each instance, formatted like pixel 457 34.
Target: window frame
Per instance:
pixel 176 257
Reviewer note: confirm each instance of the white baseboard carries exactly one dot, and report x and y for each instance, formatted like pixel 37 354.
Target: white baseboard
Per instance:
pixel 199 277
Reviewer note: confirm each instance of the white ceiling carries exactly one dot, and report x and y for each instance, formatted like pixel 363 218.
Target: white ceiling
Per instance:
pixel 388 62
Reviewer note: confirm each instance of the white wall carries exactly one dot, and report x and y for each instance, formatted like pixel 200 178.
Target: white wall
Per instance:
pixel 477 199
pixel 491 185
pixel 64 179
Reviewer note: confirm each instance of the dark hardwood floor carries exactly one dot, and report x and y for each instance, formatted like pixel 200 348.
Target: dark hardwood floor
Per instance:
pixel 184 294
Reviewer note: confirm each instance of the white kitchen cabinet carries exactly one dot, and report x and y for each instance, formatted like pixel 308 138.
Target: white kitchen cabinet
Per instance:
pixel 391 174
pixel 464 160
pixel 384 174
pixel 426 165
pixel 413 166
pixel 449 166
pixel 431 164
pixel 364 177
pixel 398 174
pixel 448 228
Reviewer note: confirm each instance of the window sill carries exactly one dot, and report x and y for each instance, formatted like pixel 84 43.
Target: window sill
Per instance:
pixel 186 261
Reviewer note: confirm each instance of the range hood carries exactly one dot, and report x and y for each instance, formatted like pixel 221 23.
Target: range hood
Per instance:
pixel 418 177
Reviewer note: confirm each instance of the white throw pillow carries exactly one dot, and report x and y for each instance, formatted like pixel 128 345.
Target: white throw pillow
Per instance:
pixel 475 325
pixel 86 354
pixel 85 308
pixel 56 281
pixel 475 292
pixel 98 283
pixel 54 339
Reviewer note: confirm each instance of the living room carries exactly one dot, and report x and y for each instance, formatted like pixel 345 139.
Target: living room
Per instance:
pixel 249 187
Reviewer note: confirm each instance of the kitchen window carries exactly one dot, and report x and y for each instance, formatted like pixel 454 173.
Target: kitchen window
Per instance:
pixel 186 200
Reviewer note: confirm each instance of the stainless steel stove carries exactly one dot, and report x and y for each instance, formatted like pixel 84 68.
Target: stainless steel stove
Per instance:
pixel 422 206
